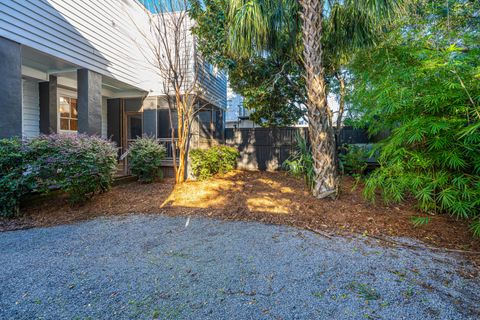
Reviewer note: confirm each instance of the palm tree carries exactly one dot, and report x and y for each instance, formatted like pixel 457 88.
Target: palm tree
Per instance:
pixel 257 25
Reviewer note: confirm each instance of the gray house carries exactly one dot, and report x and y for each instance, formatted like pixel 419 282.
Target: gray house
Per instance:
pixel 76 66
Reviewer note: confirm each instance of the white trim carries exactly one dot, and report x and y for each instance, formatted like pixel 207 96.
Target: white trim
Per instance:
pixel 34 73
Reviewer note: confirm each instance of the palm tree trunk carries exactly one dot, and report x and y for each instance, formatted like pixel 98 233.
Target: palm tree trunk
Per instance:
pixel 320 129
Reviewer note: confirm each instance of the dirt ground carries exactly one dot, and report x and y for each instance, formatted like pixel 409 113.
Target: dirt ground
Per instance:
pixel 271 197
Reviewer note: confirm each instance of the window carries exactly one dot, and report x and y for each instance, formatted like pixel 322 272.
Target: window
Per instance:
pixel 68 114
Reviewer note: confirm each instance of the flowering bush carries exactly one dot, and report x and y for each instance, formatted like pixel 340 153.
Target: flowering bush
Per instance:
pixel 79 165
pixel 208 162
pixel 145 159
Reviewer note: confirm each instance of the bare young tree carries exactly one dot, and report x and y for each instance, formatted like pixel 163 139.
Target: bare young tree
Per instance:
pixel 169 46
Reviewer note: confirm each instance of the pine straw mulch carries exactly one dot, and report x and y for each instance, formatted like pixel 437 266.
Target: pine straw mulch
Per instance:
pixel 271 197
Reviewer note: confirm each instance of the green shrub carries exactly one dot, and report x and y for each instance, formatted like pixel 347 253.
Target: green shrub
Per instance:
pixel 300 163
pixel 145 159
pixel 422 85
pixel 208 162
pixel 11 178
pixel 79 165
pixel 353 160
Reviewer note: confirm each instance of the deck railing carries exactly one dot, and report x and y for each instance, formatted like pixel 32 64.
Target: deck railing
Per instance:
pixel 167 143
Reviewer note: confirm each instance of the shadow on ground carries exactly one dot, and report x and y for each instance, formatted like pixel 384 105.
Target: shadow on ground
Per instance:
pixel 271 197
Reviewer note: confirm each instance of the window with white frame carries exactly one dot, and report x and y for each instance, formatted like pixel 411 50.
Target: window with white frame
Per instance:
pixel 68 114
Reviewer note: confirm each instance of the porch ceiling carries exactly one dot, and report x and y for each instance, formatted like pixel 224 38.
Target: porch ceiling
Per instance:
pixel 45 65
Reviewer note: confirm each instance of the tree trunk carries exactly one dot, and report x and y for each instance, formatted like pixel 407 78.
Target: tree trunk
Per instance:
pixel 320 129
pixel 180 173
pixel 172 140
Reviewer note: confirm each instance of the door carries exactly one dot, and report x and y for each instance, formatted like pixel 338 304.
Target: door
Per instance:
pixel 133 127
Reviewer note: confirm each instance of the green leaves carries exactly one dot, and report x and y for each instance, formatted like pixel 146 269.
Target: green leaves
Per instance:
pixel 145 159
pixel 79 165
pixel 418 221
pixel 208 162
pixel 300 163
pixel 425 91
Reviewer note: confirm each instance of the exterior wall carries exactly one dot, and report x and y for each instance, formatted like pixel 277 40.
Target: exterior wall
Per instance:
pixel 213 83
pixel 11 90
pixel 96 35
pixel 100 36
pixel 30 108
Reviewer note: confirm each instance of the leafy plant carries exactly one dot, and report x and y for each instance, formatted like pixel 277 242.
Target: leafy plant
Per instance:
pixel 79 165
pixel 11 179
pixel 365 291
pixel 145 159
pixel 209 162
pixel 353 160
pixel 419 221
pixel 300 163
pixel 476 228
pixel 421 84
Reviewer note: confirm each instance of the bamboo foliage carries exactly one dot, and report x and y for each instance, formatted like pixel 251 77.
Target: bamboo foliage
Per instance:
pixel 421 84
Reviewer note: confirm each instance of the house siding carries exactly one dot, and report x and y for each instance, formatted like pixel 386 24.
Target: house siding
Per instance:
pixel 97 35
pixel 30 108
pixel 213 85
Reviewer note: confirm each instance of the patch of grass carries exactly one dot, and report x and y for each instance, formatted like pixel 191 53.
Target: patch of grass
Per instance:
pixel 401 275
pixel 365 291
pixel 166 313
pixel 408 293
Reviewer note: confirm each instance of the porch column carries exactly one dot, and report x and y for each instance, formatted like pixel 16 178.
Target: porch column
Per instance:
pixel 48 105
pixel 89 91
pixel 150 117
pixel 10 89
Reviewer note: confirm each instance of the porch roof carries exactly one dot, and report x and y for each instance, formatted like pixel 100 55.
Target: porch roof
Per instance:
pixel 38 65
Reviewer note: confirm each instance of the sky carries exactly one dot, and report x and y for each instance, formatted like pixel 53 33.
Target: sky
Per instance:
pixel 151 5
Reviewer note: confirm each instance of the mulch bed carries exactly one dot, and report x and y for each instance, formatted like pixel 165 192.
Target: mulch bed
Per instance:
pixel 271 197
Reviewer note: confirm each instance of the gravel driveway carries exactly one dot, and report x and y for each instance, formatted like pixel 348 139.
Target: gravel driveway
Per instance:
pixel 149 267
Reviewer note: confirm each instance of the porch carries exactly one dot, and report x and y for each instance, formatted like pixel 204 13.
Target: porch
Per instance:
pixel 43 94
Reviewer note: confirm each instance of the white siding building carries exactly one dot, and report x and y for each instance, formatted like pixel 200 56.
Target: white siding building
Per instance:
pixel 83 66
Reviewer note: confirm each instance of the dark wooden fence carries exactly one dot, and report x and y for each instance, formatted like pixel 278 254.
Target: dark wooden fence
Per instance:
pixel 268 148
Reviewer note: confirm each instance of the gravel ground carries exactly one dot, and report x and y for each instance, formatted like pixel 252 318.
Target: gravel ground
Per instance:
pixel 146 266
